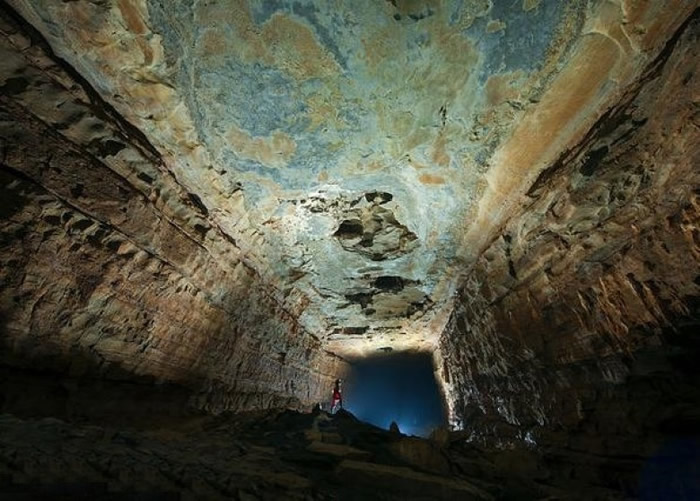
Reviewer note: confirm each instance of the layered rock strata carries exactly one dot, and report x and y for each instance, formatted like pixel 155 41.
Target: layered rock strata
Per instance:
pixel 577 327
pixel 110 268
pixel 225 196
pixel 280 115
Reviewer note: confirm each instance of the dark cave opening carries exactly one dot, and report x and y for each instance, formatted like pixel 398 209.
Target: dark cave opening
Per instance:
pixel 399 387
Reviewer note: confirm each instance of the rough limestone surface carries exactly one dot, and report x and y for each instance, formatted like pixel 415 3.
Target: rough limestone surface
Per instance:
pixel 279 115
pixel 578 324
pixel 229 200
pixel 109 267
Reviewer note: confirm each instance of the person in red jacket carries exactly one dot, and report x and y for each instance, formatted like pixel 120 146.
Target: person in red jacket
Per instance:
pixel 337 402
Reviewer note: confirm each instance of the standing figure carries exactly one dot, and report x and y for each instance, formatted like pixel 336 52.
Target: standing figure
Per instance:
pixel 337 402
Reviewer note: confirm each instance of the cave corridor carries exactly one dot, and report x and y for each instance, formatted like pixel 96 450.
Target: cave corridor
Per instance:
pixel 399 388
pixel 482 212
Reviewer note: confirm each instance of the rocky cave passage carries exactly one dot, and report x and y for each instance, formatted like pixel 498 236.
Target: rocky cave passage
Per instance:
pixel 395 388
pixel 210 209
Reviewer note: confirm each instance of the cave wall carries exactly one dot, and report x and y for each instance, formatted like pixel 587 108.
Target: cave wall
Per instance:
pixel 283 118
pixel 113 264
pixel 110 268
pixel 578 325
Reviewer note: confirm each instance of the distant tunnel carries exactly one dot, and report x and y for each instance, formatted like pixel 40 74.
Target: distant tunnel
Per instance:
pixel 398 387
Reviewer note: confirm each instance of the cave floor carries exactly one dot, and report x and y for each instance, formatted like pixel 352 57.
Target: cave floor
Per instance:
pixel 272 455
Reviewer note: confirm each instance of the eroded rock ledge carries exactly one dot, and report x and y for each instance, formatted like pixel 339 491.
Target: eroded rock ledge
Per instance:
pixel 110 268
pixel 209 261
pixel 578 326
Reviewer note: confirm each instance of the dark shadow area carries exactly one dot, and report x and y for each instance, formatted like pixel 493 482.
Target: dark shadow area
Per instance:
pixel 396 387
pixel 673 472
pixel 132 401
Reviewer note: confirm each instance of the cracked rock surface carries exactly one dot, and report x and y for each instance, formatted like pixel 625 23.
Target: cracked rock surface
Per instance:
pixel 582 314
pixel 447 109
pixel 235 199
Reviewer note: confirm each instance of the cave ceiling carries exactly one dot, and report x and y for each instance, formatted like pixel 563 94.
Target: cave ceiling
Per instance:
pixel 357 153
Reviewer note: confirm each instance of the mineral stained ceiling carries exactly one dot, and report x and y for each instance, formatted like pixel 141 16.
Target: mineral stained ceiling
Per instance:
pixel 359 153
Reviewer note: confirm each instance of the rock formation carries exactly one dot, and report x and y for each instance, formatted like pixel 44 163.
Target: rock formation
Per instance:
pixel 218 206
pixel 596 279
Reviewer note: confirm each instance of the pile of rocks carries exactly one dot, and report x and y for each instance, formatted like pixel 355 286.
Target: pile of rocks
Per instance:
pixel 274 455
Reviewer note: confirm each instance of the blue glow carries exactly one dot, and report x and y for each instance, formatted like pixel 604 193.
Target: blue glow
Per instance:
pixel 400 388
pixel 672 472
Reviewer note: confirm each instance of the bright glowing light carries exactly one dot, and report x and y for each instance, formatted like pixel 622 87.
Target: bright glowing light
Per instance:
pixel 399 388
